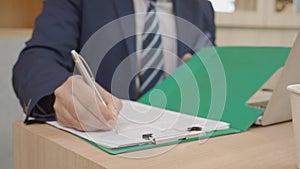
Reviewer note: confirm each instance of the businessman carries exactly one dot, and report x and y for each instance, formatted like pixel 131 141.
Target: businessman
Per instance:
pixel 43 78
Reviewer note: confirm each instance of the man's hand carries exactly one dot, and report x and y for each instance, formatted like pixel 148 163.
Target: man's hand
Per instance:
pixel 186 57
pixel 77 106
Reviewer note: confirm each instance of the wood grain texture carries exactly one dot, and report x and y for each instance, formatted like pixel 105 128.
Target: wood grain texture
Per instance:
pixel 19 13
pixel 43 146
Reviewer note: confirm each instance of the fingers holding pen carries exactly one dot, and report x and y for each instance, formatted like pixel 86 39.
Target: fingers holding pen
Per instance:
pixel 92 104
pixel 77 106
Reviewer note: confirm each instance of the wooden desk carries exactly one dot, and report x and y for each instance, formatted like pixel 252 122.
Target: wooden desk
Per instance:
pixel 41 146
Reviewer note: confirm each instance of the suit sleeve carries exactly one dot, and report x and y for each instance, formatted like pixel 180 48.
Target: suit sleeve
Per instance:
pixel 45 62
pixel 210 23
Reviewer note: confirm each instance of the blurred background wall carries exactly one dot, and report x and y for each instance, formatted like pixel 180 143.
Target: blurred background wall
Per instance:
pixel 257 23
pixel 239 23
pixel 16 22
pixel 9 107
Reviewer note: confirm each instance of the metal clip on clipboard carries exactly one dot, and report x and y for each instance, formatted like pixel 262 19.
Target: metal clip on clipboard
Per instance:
pixel 173 136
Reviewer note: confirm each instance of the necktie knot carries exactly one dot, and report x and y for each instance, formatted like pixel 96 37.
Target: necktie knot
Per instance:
pixel 151 7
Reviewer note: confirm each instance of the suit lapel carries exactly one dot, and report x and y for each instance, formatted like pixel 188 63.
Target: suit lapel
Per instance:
pixel 179 11
pixel 124 8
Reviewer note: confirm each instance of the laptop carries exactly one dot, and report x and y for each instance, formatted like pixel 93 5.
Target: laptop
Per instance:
pixel 273 96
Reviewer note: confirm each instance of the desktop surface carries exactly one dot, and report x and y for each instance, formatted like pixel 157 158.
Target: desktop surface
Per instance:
pixel 42 146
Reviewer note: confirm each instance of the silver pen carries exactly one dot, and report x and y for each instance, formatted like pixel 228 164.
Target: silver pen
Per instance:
pixel 86 73
pixel 88 77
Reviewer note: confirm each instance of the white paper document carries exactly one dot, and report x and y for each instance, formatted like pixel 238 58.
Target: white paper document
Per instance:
pixel 137 119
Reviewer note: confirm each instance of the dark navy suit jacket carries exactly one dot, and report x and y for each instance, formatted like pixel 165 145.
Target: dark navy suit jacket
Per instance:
pixel 45 63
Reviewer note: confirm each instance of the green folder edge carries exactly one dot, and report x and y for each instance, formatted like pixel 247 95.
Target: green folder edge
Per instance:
pixel 241 79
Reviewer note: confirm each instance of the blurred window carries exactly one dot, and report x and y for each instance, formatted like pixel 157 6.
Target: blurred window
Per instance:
pixel 227 6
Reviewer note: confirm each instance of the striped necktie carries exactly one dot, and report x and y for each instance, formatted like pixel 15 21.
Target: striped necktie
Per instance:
pixel 152 63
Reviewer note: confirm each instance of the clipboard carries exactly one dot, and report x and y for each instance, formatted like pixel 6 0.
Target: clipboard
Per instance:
pixel 139 124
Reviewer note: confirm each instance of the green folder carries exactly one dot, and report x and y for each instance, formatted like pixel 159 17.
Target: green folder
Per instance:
pixel 215 84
